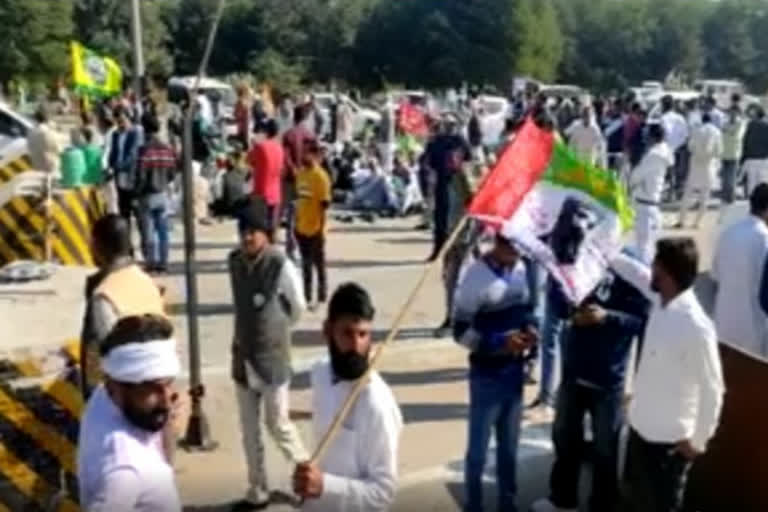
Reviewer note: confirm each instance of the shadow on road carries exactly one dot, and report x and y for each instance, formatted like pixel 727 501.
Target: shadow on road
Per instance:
pixel 275 498
pixel 371 228
pixel 348 264
pixel 411 240
pixel 220 266
pixel 424 412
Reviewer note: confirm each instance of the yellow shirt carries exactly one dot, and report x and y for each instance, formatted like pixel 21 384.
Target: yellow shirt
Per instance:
pixel 313 189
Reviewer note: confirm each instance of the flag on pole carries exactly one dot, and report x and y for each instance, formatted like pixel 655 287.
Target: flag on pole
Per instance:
pixel 93 74
pixel 569 215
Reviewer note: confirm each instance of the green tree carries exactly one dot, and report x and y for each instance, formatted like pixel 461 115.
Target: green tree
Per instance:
pixel 538 39
pixel 36 38
pixel 105 26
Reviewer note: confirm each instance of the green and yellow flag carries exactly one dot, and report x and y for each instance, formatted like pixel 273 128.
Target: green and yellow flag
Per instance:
pixel 94 74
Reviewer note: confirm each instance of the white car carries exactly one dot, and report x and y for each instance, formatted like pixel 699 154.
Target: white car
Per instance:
pixel 14 128
pixel 360 115
pixel 654 100
pixel 13 125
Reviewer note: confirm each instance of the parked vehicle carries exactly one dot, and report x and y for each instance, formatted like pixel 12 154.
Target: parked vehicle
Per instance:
pixel 721 90
pixel 360 115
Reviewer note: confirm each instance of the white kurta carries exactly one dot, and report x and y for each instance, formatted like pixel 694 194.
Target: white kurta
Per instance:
pixel 706 146
pixel 737 268
pixel 587 140
pixel 360 466
pixel 120 467
pixel 647 185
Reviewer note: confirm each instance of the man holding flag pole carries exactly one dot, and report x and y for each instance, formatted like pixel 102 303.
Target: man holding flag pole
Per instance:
pixel 568 215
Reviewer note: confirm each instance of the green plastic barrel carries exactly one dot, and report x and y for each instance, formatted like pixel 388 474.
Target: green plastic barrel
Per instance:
pixel 93 164
pixel 73 168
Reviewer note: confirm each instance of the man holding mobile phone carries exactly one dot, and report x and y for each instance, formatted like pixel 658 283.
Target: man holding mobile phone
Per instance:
pixel 494 318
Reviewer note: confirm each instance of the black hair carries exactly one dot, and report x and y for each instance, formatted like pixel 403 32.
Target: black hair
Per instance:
pixel 299 113
pixel 87 132
pixel 758 200
pixel 351 299
pixel 120 110
pixel 112 236
pixel 656 132
pixel 667 103
pixel 680 258
pixel 706 118
pixel 137 329
pixel 151 124
pixel 271 128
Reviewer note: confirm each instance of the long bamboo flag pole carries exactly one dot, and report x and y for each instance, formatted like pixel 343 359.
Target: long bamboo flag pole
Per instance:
pixel 342 414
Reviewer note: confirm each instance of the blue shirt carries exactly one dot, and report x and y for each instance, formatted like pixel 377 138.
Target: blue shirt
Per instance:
pixel 598 355
pixel 491 302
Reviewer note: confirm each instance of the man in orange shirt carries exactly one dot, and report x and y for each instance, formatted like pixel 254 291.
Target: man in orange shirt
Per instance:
pixel 267 160
pixel 313 191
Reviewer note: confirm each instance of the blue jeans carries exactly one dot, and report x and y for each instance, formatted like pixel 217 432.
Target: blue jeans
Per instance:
pixel 495 402
pixel 154 233
pixel 574 400
pixel 551 336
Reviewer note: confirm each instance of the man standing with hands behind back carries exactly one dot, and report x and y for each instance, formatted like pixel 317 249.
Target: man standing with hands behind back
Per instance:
pixel 494 318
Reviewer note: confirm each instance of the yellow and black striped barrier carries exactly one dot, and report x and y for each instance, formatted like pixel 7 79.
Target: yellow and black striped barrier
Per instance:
pixel 14 168
pixel 23 222
pixel 40 409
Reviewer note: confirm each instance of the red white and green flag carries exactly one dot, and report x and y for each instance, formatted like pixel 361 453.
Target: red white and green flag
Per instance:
pixel 568 214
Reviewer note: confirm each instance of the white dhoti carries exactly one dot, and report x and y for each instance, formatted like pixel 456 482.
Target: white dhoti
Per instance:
pixel 647 227
pixel 757 173
pixel 699 185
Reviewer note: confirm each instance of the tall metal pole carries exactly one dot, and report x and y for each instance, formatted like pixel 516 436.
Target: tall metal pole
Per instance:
pixel 138 54
pixel 197 436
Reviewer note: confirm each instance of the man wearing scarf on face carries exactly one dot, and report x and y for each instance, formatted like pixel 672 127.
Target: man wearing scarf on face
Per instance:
pixel 359 471
pixel 120 460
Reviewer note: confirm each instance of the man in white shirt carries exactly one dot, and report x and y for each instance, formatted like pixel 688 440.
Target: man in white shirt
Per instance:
pixel 585 137
pixel 738 268
pixel 121 463
pixel 42 144
pixel 676 132
pixel 678 388
pixel 358 473
pixel 647 185
pixel 706 147
pixel 269 300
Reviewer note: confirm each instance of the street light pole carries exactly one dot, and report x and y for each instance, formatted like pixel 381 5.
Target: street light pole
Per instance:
pixel 198 435
pixel 138 53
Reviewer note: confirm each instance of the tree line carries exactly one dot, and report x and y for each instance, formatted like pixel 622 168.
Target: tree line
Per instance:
pixel 599 44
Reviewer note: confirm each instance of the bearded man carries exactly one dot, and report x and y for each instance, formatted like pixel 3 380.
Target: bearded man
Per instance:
pixel 121 463
pixel 359 471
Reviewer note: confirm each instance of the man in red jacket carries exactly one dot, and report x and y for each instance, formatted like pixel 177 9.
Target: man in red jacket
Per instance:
pixel 267 160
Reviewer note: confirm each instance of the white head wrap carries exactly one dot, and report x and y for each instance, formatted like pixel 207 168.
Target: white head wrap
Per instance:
pixel 141 362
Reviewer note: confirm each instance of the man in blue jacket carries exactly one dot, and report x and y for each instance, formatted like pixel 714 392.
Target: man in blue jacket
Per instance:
pixel 597 345
pixel 123 159
pixel 494 318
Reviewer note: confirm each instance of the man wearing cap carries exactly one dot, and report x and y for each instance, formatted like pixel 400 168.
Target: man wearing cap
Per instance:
pixel 120 459
pixel 269 300
pixel 494 318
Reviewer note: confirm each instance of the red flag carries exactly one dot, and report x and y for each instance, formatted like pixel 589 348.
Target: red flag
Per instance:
pixel 519 167
pixel 411 119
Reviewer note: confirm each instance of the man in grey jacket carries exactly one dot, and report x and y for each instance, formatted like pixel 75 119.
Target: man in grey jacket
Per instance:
pixel 268 300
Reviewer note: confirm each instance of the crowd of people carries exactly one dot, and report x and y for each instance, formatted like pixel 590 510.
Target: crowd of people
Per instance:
pixel 498 306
